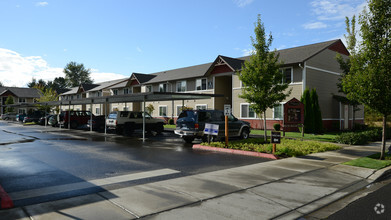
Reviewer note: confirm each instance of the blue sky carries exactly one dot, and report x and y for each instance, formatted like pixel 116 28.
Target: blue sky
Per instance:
pixel 117 37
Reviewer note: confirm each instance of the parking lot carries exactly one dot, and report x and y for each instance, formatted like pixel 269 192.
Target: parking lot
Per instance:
pixel 44 163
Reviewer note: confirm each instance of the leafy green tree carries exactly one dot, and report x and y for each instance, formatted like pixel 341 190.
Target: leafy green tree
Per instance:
pixel 261 75
pixel 76 74
pixel 308 113
pixel 48 94
pixel 149 108
pixel 345 65
pixel 317 114
pixel 369 80
pixel 9 101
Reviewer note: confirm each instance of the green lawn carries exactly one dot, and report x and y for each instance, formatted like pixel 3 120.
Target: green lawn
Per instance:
pixel 329 137
pixel 169 126
pixel 371 162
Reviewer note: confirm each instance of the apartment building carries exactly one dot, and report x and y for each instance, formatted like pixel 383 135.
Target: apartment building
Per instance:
pixel 309 66
pixel 20 96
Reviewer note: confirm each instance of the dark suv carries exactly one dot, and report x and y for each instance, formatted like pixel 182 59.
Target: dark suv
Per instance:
pixel 77 118
pixel 191 124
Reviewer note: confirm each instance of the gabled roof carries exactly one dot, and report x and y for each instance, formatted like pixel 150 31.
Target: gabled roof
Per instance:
pixel 71 91
pixel 182 73
pixel 21 92
pixel 108 84
pixel 87 87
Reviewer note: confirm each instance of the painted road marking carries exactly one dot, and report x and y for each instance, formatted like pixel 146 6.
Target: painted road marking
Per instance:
pixel 88 184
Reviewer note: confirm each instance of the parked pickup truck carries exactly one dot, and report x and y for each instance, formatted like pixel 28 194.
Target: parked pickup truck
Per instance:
pixel 125 122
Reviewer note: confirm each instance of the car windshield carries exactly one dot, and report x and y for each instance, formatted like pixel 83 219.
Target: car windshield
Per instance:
pixel 185 114
pixel 113 115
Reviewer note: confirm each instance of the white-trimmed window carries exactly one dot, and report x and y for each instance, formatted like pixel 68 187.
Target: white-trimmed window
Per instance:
pixel 115 91
pixel 22 100
pixel 22 111
pixel 201 84
pixel 278 111
pixel 287 75
pixel 181 86
pixel 99 93
pixel 97 111
pixel 163 111
pixel 246 111
pixel 148 88
pixel 126 91
pixel 163 87
pixel 201 107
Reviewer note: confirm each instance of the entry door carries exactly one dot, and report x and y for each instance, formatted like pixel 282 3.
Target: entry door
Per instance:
pixel 346 117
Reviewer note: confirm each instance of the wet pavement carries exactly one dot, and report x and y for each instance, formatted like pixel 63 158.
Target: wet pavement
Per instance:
pixel 41 164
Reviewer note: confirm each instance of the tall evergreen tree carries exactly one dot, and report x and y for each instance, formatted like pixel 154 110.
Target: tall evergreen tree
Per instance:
pixel 76 74
pixel 261 75
pixel 308 113
pixel 317 114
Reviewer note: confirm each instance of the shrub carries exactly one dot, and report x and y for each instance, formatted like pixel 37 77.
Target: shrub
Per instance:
pixel 290 148
pixel 170 121
pixel 362 137
pixel 277 126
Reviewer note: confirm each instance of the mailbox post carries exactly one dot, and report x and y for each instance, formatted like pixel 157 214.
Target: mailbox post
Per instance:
pixel 276 139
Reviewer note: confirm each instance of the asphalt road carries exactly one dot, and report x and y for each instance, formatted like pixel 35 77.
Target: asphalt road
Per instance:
pixel 376 204
pixel 40 164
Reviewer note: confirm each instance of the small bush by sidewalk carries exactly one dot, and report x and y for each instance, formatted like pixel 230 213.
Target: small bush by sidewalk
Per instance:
pixel 287 148
pixel 361 137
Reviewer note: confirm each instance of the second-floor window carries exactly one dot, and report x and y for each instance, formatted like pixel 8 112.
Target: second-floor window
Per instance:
pixel 115 91
pixel 126 91
pixel 287 75
pixel 163 87
pixel 22 100
pixel 201 84
pixel 148 88
pixel 99 93
pixel 181 86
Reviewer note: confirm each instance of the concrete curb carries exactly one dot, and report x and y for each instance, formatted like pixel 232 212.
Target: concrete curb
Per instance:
pixel 233 151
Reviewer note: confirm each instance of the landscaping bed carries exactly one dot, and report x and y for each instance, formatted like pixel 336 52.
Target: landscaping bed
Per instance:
pixel 287 148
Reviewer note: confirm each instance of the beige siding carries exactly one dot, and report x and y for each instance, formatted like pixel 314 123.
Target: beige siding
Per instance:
pixel 326 85
pixel 325 60
pixel 296 93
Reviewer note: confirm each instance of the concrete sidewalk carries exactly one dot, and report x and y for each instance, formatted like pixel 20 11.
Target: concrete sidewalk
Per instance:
pixel 280 189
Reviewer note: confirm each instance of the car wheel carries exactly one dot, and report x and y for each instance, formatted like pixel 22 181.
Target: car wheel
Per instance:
pixel 73 124
pixel 159 128
pixel 245 133
pixel 188 140
pixel 128 130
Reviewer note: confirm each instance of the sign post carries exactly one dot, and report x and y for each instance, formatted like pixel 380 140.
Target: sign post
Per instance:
pixel 227 112
pixel 276 139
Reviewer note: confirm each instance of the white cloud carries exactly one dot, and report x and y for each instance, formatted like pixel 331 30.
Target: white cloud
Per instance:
pixel 315 25
pixel 331 10
pixel 18 70
pixel 248 52
pixel 242 3
pixel 41 4
pixel 139 49
pixel 99 77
